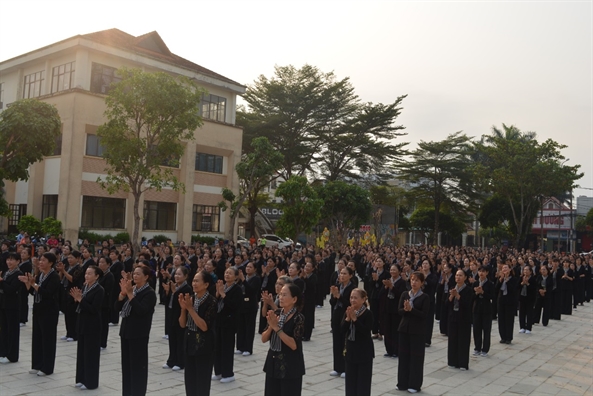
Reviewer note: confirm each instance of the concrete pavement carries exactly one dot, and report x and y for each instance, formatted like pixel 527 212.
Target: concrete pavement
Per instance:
pixel 553 360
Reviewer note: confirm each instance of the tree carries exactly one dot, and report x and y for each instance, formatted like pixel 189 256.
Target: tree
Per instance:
pixel 301 207
pixel 51 226
pixel 519 169
pixel 439 173
pixel 28 131
pixel 345 206
pixel 255 171
pixel 149 116
pixel 318 123
pixel 30 224
pixel 423 219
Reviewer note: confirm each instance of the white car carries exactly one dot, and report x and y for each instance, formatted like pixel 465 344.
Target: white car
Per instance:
pixel 274 241
pixel 242 241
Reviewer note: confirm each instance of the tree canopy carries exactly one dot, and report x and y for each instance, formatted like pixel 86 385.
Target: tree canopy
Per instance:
pixel 301 207
pixel 28 132
pixel 150 115
pixel 319 124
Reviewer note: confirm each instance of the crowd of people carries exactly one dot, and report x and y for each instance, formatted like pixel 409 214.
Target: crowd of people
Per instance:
pixel 380 297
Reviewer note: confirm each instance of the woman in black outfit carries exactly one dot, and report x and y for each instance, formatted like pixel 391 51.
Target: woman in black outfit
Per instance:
pixel 107 282
pixel 26 267
pixel 294 271
pixel 460 322
pixel 339 301
pixel 360 351
pixel 414 308
pixel 543 283
pixel 88 350
pixel 176 360
pixel 115 269
pixel 251 285
pixel 45 289
pixel 446 283
pixel 506 289
pixel 285 364
pixel 374 282
pixel 482 312
pixel 310 299
pixel 136 306
pixel 566 284
pixel 527 291
pixel 389 297
pixel 230 298
pixel 429 288
pixel 198 314
pixel 10 287
pixel 71 278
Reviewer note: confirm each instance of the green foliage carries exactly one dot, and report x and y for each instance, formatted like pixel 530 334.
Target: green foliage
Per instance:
pixel 301 207
pixel 160 238
pixel 345 206
pixel 149 116
pixel 202 239
pixel 30 224
pixel 92 237
pixel 517 168
pixel 121 237
pixel 51 226
pixel 319 124
pixel 589 218
pixel 439 172
pixel 255 171
pixel 423 219
pixel 28 131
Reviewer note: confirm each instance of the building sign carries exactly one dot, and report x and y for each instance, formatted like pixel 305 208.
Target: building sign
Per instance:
pixel 550 220
pixel 272 213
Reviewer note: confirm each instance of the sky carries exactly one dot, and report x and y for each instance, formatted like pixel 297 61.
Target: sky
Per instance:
pixel 465 65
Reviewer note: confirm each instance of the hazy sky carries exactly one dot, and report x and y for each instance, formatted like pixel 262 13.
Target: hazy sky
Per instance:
pixel 464 65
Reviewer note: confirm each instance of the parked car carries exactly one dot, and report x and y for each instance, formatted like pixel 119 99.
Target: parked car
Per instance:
pixel 242 241
pixel 274 241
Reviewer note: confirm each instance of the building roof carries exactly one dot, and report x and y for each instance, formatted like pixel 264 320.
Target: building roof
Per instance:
pixel 150 45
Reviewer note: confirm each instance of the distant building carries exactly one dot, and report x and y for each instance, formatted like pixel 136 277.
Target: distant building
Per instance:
pixel 584 205
pixel 74 75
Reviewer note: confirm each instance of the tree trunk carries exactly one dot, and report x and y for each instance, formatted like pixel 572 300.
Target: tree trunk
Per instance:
pixel 252 214
pixel 231 230
pixel 136 229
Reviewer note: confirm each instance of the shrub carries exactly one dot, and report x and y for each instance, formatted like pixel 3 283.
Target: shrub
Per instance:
pixel 30 224
pixel 51 226
pixel 160 238
pixel 122 237
pixel 202 239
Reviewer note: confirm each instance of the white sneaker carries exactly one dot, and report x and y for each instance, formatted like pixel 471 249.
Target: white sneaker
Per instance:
pixel 69 339
pixel 527 331
pixel 522 331
pixel 41 374
pixel 24 324
pixel 102 348
pixel 4 360
pixel 33 371
pixel 227 379
pixel 485 354
pixel 238 352
pixel 343 375
pixel 176 368
pixel 64 338
pixel 412 391
pixel 246 353
pixel 476 352
pixel 216 377
pixel 463 369
pixel 83 388
pixel 78 385
pixel 334 373
pixel 165 337
pixel 166 366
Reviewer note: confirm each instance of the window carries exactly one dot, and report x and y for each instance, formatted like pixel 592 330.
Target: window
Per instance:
pixel 1 96
pixel 33 85
pixel 16 212
pixel 101 78
pixel 159 215
pixel 62 77
pixel 206 218
pixel 213 107
pixel 100 212
pixel 93 146
pixel 50 206
pixel 58 147
pixel 208 163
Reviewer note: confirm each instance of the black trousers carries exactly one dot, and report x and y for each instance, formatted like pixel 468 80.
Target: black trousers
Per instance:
pixel 176 351
pixel 374 303
pixel 429 324
pixel 309 313
pixel 482 330
pixel 283 387
pixel 45 331
pixel 105 315
pixel 263 321
pixel 134 366
pixel 566 302
pixel 198 370
pixel 24 308
pixel 10 334
pixel 542 304
pixel 506 321
pixel 410 369
pixel 358 378
pixel 246 330
pixel 167 318
pixel 70 317
pixel 88 356
pixel 391 335
pixel 338 341
pixel 443 324
pixel 556 304
pixel 224 355
pixel 526 306
pixel 113 314
pixel 458 344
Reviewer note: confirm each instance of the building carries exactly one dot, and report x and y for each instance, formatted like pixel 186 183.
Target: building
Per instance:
pixel 74 75
pixel 555 221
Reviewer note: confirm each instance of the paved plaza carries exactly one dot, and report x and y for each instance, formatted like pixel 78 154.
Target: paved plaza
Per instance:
pixel 553 360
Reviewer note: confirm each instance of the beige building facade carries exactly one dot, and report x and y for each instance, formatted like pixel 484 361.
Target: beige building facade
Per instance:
pixel 74 75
